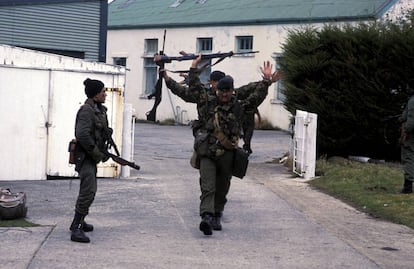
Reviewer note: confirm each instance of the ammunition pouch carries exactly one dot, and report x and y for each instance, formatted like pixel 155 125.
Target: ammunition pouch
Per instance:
pixel 71 150
pixel 201 144
pixel 76 154
pixel 240 163
pixel 195 160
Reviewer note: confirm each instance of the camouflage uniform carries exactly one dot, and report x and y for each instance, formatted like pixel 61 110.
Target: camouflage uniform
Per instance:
pixel 248 129
pixel 407 145
pixel 204 98
pixel 91 131
pixel 217 160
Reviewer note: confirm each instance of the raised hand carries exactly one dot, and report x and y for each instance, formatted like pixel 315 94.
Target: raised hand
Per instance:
pixel 267 72
pixel 196 61
pixel 277 75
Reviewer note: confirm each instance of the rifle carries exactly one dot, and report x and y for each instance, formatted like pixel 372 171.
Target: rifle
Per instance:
pixel 122 161
pixel 116 158
pixel 151 115
pixel 168 59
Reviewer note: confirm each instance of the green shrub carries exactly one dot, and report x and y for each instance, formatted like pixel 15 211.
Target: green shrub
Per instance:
pixel 354 78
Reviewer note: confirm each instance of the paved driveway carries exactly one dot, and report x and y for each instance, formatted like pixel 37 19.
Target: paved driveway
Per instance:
pixel 151 219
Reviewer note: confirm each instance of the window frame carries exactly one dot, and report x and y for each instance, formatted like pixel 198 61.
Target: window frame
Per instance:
pixel 278 96
pixel 150 74
pixel 122 61
pixel 205 74
pixel 202 44
pixel 244 43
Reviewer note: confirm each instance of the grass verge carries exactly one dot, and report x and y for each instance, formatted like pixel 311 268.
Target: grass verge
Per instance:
pixel 17 223
pixel 371 188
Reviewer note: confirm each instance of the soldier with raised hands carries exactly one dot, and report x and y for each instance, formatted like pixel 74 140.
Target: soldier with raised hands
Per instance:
pixel 218 136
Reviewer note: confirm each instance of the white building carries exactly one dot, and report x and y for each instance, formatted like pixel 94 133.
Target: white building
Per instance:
pixel 136 31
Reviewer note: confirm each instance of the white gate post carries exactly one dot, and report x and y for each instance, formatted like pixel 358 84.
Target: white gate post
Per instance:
pixel 127 139
pixel 304 144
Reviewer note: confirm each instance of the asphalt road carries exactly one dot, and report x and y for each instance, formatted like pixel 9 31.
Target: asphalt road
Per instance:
pixel 150 220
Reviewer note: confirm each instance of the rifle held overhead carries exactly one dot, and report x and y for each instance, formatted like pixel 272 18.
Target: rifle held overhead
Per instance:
pixel 168 59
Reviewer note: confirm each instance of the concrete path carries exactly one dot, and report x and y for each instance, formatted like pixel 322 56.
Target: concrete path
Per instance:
pixel 150 220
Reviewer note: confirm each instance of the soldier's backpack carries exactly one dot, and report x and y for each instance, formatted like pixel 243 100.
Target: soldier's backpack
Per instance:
pixel 12 205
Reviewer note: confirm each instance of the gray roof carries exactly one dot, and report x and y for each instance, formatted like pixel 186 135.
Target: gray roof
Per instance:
pixel 189 13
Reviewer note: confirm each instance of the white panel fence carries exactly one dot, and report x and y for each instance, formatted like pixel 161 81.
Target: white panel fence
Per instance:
pixel 304 144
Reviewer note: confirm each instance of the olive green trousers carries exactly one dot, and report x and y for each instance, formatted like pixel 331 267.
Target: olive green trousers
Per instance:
pixel 88 186
pixel 215 176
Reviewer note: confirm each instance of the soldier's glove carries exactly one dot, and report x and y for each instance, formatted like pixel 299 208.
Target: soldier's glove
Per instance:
pixel 105 158
pixel 97 155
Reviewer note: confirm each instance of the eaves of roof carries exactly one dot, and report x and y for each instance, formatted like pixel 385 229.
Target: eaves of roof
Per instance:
pixel 139 14
pixel 245 22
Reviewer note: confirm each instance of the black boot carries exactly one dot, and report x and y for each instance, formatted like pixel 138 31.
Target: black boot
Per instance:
pixel 85 226
pixel 216 224
pixel 408 186
pixel 77 233
pixel 206 224
pixel 247 149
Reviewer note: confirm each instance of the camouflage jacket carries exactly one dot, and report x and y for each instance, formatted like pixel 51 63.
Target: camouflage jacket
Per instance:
pixel 201 97
pixel 91 129
pixel 225 118
pixel 206 100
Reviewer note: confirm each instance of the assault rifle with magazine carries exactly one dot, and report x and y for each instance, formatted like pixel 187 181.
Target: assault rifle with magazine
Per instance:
pixel 161 59
pixel 110 144
pixel 116 158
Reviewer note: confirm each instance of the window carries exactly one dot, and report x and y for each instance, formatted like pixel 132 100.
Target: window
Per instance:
pixel 244 43
pixel 119 61
pixel 205 45
pixel 279 87
pixel 151 46
pixel 150 68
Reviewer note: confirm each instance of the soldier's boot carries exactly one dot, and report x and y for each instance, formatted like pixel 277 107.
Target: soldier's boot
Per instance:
pixel 85 226
pixel 247 149
pixel 206 224
pixel 408 186
pixel 78 234
pixel 216 224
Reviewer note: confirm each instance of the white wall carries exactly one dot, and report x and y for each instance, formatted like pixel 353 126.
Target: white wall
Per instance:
pixel 40 95
pixel 130 44
pixel 396 10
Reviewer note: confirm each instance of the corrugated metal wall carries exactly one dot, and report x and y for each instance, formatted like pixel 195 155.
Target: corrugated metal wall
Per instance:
pixel 60 26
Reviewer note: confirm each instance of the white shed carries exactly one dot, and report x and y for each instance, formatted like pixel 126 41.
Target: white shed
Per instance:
pixel 40 95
